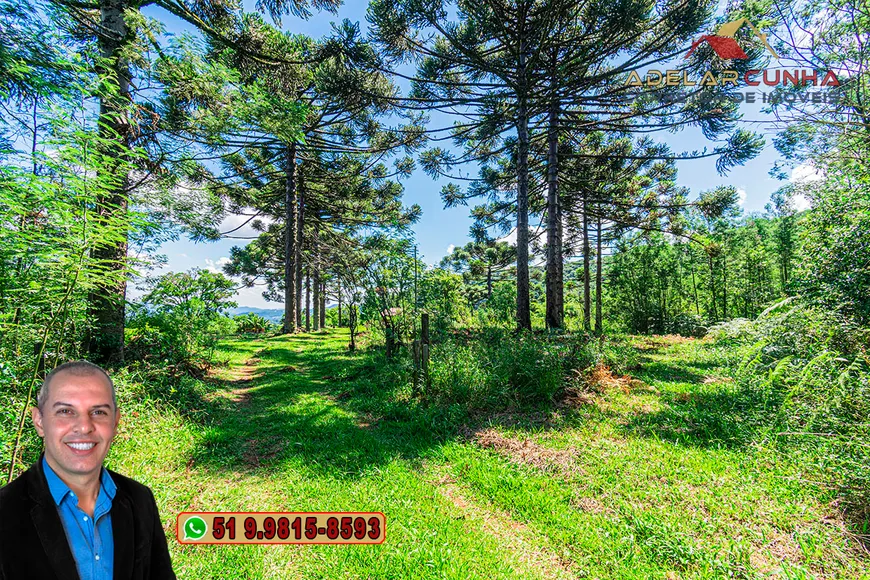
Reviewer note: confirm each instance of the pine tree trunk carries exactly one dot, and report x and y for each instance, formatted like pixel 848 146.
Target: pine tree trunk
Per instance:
pixel 694 284
pixel 524 314
pixel 322 305
pixel 315 325
pixel 713 289
pixel 598 284
pixel 316 283
pixel 724 287
pixel 351 321
pixel 290 246
pixel 308 301
pixel 299 221
pixel 106 302
pixel 555 286
pixel 587 298
pixel 389 340
pixel 338 282
pixel 488 281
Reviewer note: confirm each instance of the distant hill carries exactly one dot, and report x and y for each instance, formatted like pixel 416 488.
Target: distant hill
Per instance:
pixel 271 314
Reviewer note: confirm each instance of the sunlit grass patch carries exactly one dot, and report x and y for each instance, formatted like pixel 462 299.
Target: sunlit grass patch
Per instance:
pixel 644 483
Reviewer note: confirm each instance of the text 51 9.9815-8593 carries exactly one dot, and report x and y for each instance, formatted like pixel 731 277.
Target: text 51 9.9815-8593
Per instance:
pixel 281 527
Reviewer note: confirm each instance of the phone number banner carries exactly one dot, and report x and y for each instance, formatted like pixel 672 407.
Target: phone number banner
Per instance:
pixel 280 528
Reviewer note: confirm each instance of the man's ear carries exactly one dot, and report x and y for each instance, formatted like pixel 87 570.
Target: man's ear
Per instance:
pixel 117 418
pixel 36 415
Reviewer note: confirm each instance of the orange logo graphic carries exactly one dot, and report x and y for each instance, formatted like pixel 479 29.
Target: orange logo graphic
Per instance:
pixel 723 43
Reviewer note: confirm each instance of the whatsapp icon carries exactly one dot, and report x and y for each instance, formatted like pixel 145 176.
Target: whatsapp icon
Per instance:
pixel 194 528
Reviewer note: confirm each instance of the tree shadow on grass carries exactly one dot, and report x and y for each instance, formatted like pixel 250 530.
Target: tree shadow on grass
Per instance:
pixel 321 410
pixel 231 347
pixel 652 370
pixel 718 416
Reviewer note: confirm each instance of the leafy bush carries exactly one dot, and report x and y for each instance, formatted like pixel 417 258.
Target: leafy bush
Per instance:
pixel 500 309
pixel 180 319
pixel 527 370
pixel 221 326
pixel 835 238
pixel 615 352
pixel 332 317
pixel 251 323
pixel 806 384
pixel 686 324
pixel 737 330
pixel 500 369
pixel 457 374
pixel 441 293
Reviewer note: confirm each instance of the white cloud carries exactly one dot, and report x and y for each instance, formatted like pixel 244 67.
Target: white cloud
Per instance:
pixel 806 173
pixel 253 297
pixel 216 267
pixel 801 202
pixel 450 249
pixel 182 255
pixel 511 238
pixel 741 196
pixel 244 224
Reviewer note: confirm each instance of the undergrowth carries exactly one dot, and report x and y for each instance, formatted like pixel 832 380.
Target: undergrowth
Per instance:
pixel 804 380
pixel 497 369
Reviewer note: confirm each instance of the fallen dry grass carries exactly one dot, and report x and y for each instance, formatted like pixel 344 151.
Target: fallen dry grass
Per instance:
pixel 527 452
pixel 601 379
pixel 657 341
pixel 712 380
pixel 590 387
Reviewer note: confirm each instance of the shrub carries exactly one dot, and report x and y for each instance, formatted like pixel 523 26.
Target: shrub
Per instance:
pixel 457 374
pixel 614 352
pixel 180 319
pixel 500 309
pixel 805 379
pixel 442 294
pixel 527 370
pixel 500 369
pixel 221 326
pixel 736 330
pixel 686 324
pixel 251 323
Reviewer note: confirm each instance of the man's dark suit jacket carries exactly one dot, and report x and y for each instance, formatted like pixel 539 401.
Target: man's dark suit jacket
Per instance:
pixel 33 543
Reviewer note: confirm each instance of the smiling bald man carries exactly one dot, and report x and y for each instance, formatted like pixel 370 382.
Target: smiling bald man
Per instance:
pixel 67 517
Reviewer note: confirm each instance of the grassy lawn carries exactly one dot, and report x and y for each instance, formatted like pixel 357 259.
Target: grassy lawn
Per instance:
pixel 649 480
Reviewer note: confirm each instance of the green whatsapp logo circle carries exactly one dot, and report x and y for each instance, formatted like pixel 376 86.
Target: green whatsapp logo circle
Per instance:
pixel 194 528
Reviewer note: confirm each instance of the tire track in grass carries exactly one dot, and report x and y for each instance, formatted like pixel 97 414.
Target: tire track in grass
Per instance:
pixel 529 555
pixel 292 390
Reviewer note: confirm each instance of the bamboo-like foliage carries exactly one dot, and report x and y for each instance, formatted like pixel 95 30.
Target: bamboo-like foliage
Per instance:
pixel 51 233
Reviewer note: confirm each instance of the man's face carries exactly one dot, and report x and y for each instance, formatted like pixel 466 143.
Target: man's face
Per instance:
pixel 78 422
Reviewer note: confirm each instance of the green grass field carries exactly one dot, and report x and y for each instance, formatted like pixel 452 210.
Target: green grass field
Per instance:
pixel 642 481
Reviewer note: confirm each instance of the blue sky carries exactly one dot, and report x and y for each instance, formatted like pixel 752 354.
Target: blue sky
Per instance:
pixel 439 229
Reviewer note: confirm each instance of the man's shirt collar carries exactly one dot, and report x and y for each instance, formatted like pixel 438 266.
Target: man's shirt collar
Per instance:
pixel 59 489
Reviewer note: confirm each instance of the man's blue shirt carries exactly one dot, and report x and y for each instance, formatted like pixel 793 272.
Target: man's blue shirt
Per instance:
pixel 92 545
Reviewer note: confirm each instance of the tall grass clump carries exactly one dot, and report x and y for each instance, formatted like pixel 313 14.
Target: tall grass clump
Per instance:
pixel 498 368
pixel 806 385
